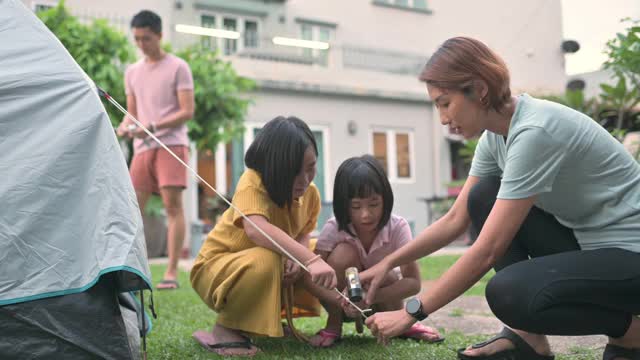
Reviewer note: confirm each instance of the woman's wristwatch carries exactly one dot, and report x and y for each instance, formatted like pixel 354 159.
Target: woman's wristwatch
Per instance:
pixel 413 307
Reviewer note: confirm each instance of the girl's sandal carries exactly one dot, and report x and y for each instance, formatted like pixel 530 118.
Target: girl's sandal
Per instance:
pixel 328 338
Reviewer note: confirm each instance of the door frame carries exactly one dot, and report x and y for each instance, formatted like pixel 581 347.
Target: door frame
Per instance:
pixel 324 130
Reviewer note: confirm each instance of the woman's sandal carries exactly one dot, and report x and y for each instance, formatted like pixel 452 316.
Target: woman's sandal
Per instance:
pixel 522 350
pixel 614 352
pixel 420 332
pixel 205 338
pixel 327 335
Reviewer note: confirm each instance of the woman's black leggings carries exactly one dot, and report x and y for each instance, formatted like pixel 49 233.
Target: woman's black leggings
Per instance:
pixel 546 285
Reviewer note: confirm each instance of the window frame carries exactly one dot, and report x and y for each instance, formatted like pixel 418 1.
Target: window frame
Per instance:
pixel 392 153
pixel 248 137
pixel 241 20
pixel 50 3
pixel 411 5
pixel 315 36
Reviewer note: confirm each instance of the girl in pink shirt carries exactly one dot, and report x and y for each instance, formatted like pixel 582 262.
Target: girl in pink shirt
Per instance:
pixel 361 234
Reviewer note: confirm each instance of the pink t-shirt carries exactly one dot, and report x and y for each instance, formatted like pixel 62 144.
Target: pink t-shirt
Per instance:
pixel 155 87
pixel 390 238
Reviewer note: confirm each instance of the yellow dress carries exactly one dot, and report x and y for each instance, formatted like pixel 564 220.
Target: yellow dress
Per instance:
pixel 242 281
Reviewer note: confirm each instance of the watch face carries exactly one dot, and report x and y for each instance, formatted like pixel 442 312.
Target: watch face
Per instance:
pixel 413 306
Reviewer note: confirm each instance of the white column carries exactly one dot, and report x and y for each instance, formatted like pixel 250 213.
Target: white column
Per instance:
pixel 442 156
pixel 221 168
pixel 392 155
pixel 190 197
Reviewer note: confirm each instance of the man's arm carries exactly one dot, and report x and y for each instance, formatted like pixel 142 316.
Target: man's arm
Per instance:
pixel 123 128
pixel 187 105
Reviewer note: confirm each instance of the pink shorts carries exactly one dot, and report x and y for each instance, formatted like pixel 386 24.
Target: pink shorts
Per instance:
pixel 154 169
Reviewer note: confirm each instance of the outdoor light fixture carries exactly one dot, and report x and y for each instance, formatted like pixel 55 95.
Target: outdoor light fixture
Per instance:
pixel 320 45
pixel 199 30
pixel 352 127
pixel 570 46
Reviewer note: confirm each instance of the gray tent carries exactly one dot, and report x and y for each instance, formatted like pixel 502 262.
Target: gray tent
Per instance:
pixel 71 236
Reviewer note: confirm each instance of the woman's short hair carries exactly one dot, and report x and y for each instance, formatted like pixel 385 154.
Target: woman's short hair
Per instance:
pixel 360 177
pixel 277 153
pixel 460 61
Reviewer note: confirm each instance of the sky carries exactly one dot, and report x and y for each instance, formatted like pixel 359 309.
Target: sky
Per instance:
pixel 592 23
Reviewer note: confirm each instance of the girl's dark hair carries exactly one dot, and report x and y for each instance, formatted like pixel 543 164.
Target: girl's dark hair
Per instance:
pixel 360 177
pixel 147 19
pixel 460 61
pixel 277 153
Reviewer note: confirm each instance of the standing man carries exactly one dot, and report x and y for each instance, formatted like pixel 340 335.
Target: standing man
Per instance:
pixel 159 91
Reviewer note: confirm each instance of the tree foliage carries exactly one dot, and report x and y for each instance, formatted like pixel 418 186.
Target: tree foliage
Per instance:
pixel 220 97
pixel 103 53
pixel 623 53
pixel 100 50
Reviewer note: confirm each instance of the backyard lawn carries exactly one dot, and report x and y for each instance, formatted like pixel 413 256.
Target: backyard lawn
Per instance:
pixel 181 312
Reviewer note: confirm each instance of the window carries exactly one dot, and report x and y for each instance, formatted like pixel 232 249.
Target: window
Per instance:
pixel 42 5
pixel 380 149
pixel 250 34
pixel 230 45
pixel 417 4
pixel 208 21
pixel 394 150
pixel 403 158
pixel 248 29
pixel 420 5
pixel 321 135
pixel 316 33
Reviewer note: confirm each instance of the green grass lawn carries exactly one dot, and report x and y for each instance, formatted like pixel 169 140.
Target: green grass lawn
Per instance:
pixel 181 312
pixel 433 266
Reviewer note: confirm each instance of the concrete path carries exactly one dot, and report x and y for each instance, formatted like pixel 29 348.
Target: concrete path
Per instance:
pixel 471 316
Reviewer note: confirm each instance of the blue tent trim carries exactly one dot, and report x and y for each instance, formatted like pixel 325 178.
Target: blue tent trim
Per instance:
pixel 77 290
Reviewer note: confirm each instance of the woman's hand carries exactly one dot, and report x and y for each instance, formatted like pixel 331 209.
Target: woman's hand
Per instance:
pixel 386 325
pixel 292 272
pixel 372 278
pixel 322 274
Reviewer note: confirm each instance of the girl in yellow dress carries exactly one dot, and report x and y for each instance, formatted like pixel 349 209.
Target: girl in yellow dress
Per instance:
pixel 239 273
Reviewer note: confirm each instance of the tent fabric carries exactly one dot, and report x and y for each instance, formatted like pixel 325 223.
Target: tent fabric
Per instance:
pixel 69 213
pixel 94 324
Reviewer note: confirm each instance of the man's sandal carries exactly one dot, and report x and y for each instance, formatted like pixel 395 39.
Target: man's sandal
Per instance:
pixel 522 350
pixel 168 285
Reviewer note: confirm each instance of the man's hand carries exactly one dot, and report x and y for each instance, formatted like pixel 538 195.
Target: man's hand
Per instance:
pixel 138 133
pixel 122 131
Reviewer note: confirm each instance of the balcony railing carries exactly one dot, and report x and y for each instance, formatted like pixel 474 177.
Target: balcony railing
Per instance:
pixel 346 57
pixel 382 60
